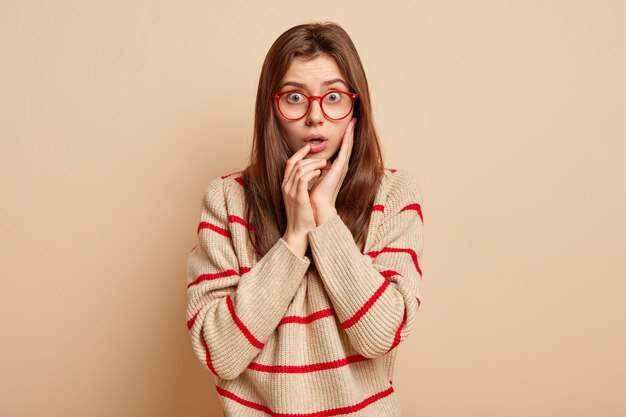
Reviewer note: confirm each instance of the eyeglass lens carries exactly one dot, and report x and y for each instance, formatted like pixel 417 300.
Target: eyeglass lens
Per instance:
pixel 335 104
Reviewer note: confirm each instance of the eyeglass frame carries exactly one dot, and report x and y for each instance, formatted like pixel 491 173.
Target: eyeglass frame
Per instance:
pixel 277 96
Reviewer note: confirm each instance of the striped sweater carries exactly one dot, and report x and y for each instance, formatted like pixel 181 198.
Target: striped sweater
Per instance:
pixel 314 336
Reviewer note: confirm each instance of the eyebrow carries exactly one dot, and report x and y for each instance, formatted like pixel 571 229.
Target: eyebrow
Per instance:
pixel 300 85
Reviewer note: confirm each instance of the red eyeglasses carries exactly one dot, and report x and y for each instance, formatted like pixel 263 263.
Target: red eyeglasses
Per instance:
pixel 335 105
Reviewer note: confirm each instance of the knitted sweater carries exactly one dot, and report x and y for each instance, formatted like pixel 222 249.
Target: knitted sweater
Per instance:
pixel 291 336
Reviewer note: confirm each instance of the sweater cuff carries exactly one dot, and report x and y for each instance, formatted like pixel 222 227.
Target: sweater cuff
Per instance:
pixel 285 266
pixel 304 260
pixel 332 234
pixel 348 274
pixel 269 291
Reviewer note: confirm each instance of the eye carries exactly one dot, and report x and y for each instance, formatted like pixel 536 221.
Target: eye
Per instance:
pixel 333 97
pixel 295 98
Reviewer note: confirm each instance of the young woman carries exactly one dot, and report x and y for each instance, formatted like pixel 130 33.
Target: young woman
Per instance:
pixel 305 278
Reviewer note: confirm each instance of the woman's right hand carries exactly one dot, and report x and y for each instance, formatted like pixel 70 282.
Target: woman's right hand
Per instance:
pixel 295 188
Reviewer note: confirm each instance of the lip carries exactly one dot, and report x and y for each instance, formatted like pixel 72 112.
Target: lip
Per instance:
pixel 315 136
pixel 316 147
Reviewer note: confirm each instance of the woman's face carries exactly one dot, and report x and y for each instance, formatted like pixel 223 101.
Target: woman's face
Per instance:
pixel 313 74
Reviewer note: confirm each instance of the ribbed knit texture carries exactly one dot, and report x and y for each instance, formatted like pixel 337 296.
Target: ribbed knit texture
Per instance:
pixel 291 336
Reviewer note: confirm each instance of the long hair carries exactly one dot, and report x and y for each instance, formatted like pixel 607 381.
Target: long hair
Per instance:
pixel 263 176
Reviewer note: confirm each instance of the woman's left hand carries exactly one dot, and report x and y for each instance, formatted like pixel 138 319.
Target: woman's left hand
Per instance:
pixel 324 193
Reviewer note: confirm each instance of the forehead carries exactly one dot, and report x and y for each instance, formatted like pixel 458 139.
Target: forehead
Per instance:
pixel 315 70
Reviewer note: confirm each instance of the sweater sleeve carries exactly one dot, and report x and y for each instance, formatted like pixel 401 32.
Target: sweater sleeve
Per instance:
pixel 376 294
pixel 233 309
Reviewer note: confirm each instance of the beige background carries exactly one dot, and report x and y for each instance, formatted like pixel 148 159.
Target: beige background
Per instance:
pixel 115 115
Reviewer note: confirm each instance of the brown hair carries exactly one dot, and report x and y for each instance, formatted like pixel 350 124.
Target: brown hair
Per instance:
pixel 263 177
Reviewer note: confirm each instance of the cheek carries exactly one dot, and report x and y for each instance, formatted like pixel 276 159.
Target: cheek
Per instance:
pixel 288 133
pixel 283 128
pixel 289 136
pixel 281 123
pixel 341 131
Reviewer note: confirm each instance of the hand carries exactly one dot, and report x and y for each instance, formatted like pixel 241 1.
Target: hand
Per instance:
pixel 298 173
pixel 323 194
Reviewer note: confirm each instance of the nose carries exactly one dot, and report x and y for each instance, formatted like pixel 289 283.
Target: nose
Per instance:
pixel 315 115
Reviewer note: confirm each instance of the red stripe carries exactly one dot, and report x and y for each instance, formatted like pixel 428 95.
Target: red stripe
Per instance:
pixel 303 369
pixel 392 170
pixel 236 219
pixel 375 253
pixel 410 252
pixel 397 337
pixel 228 175
pixel 192 320
pixel 215 275
pixel 291 319
pixel 308 319
pixel 253 340
pixel 324 413
pixel 209 362
pixel 378 207
pixel 419 302
pixel 241 181
pixel 221 391
pixel 215 228
pixel 416 207
pixel 357 316
pixel 388 273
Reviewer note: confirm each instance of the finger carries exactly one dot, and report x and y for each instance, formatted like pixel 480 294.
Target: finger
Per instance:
pixel 326 167
pixel 303 168
pixel 296 164
pixel 350 141
pixel 298 155
pixel 293 166
pixel 348 152
pixel 339 166
pixel 345 145
pixel 303 184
